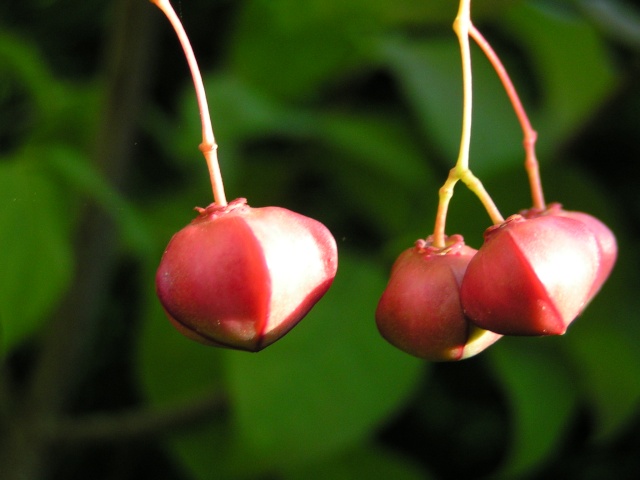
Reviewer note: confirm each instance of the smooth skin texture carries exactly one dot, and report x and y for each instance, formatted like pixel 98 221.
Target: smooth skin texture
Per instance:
pixel 242 277
pixel 420 310
pixel 531 276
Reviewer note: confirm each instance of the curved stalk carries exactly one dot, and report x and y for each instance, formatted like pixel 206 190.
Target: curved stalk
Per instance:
pixel 208 147
pixel 530 135
pixel 461 26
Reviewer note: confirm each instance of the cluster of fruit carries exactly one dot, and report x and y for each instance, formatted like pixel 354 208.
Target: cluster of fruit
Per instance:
pixel 533 275
pixel 242 277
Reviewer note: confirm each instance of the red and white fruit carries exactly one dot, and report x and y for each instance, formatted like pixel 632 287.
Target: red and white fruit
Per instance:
pixel 532 276
pixel 420 311
pixel 607 244
pixel 242 277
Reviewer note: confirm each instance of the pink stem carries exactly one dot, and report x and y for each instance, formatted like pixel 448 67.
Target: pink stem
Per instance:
pixel 208 147
pixel 530 135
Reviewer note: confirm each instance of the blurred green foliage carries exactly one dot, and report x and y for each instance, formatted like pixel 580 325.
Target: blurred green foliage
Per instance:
pixel 347 111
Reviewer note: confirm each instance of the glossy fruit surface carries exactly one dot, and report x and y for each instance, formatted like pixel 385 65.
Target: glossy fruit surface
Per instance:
pixel 242 277
pixel 420 311
pixel 607 244
pixel 531 276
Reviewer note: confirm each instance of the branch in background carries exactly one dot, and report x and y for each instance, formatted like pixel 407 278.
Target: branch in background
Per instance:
pixel 134 425
pixel 6 394
pixel 71 334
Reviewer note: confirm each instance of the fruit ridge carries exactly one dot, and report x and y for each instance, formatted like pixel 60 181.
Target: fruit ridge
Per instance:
pixel 420 310
pixel 242 277
pixel 532 276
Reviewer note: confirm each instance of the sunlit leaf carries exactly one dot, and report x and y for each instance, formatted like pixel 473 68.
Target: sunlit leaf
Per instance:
pixel 35 250
pixel 541 397
pixel 170 366
pixel 290 51
pixel 607 360
pixel 23 61
pixel 79 174
pixel 430 75
pixel 601 342
pixel 565 51
pixel 328 383
pixel 173 371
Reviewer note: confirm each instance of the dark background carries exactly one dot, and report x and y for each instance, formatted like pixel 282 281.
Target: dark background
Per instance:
pixel 347 111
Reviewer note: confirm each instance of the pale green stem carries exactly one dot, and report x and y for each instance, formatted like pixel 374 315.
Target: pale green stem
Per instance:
pixel 461 170
pixel 530 135
pixel 208 147
pixel 461 27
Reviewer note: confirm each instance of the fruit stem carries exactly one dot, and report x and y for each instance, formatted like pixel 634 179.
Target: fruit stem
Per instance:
pixel 461 28
pixel 530 135
pixel 461 171
pixel 208 147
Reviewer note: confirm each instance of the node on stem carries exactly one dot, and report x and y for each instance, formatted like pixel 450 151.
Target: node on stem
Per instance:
pixel 208 146
pixel 462 26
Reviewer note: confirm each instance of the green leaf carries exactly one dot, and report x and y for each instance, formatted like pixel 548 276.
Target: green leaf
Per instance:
pixel 383 146
pixel 55 110
pixel 292 49
pixel 240 113
pixel 35 250
pixel 381 170
pixel 172 371
pixel 289 48
pixel 571 65
pixel 607 359
pixel 429 73
pixel 21 59
pixel 541 396
pixel 618 20
pixel 79 174
pixel 247 112
pixel 325 386
pixel 564 52
pixel 601 343
pixel 328 384
pixel 170 367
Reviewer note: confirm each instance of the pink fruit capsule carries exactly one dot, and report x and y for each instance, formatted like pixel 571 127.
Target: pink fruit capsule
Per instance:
pixel 607 244
pixel 242 277
pixel 420 311
pixel 531 276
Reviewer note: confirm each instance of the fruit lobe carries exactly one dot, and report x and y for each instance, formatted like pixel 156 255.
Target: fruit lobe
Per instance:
pixel 242 277
pixel 607 244
pixel 420 311
pixel 531 276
